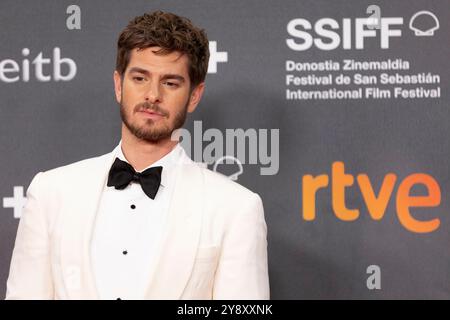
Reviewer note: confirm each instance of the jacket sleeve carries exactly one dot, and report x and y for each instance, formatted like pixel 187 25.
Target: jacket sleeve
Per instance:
pixel 242 271
pixel 30 270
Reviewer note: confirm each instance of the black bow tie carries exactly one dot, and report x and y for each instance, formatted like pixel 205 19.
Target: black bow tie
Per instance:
pixel 122 173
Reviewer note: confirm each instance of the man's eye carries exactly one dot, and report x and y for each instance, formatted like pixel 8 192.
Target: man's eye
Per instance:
pixel 171 84
pixel 138 79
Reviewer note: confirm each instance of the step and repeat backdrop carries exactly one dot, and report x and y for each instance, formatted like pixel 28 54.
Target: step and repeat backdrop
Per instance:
pixel 336 112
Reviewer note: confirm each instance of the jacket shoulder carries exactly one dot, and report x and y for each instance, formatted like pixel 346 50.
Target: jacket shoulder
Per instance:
pixel 220 187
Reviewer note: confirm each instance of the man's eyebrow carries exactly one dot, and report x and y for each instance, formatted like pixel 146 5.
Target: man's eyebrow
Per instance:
pixel 164 77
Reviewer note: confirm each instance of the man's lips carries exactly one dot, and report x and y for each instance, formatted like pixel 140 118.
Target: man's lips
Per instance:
pixel 151 114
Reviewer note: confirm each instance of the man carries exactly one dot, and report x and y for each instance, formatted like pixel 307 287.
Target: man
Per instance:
pixel 144 221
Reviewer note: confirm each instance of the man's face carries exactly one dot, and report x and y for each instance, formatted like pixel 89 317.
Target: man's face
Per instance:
pixel 154 94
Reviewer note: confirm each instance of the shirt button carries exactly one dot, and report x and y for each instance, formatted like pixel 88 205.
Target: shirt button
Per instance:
pixel 125 252
pixel 133 206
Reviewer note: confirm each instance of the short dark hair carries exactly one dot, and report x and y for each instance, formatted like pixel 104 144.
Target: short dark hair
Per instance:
pixel 169 32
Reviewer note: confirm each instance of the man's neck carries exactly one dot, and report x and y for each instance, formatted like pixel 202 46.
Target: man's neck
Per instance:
pixel 141 154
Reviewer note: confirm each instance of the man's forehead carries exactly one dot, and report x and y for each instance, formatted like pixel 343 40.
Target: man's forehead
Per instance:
pixel 150 54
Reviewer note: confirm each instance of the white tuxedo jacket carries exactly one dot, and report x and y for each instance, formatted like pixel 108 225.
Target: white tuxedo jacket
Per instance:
pixel 214 246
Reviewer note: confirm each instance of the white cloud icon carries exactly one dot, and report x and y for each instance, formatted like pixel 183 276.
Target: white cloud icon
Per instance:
pixel 235 175
pixel 424 16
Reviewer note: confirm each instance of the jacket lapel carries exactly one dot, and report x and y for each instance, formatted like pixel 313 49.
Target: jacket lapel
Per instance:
pixel 175 259
pixel 78 220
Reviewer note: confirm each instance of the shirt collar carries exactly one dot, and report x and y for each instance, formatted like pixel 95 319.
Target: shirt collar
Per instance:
pixel 168 162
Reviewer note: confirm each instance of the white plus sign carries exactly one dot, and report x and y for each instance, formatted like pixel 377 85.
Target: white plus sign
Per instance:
pixel 215 57
pixel 17 202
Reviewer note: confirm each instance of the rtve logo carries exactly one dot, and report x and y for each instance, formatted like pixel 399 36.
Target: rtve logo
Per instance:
pixel 376 204
pixel 42 69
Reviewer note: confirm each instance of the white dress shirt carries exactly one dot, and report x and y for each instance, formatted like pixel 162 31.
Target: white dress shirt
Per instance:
pixel 127 232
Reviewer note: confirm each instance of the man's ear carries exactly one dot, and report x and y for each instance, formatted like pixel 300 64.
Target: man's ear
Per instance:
pixel 195 97
pixel 118 86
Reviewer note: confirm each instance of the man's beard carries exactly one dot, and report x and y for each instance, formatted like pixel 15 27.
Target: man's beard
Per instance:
pixel 149 132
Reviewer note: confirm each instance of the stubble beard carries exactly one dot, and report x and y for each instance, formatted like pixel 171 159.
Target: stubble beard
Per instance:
pixel 151 131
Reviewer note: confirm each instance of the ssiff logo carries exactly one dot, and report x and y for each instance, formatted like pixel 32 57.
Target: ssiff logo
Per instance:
pixel 376 203
pixel 348 33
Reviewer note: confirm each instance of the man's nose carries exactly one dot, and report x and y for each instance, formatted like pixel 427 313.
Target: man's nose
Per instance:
pixel 153 94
